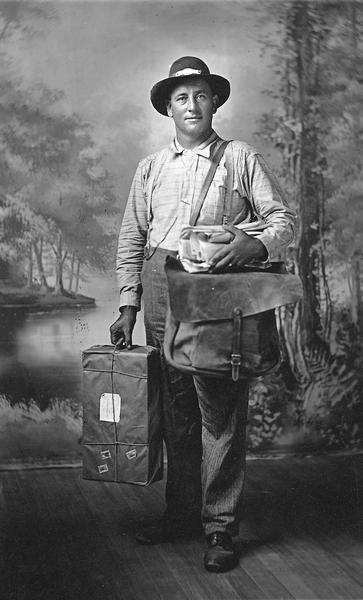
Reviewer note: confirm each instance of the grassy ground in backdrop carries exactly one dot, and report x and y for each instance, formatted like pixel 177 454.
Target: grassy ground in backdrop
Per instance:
pixel 29 434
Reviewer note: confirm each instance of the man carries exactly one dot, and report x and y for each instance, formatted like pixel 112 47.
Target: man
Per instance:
pixel 201 415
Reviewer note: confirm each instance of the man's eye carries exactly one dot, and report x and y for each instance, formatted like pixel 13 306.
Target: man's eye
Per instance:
pixel 201 96
pixel 181 99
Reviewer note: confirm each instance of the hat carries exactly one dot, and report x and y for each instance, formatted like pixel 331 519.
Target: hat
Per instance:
pixel 181 69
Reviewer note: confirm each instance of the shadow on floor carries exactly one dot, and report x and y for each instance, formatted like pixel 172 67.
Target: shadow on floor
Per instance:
pixel 67 538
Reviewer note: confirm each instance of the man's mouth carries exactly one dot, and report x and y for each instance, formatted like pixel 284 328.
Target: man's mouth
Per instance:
pixel 193 118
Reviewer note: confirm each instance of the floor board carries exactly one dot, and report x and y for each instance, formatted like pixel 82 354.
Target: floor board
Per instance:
pixel 64 538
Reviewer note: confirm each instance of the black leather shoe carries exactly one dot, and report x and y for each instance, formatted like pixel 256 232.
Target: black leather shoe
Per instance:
pixel 220 556
pixel 166 531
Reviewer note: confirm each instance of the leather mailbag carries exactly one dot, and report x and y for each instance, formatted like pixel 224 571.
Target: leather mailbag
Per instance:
pixel 223 325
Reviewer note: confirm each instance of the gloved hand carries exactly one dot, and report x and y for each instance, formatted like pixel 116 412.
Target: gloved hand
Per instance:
pixel 240 251
pixel 121 330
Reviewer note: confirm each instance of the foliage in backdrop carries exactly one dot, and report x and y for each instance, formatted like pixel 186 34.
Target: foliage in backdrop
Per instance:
pixel 56 197
pixel 317 127
pixel 57 205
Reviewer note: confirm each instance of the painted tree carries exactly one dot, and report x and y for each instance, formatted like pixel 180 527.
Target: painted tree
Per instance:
pixel 345 142
pixel 17 21
pixel 317 128
pixel 78 203
pixel 295 129
pixel 54 191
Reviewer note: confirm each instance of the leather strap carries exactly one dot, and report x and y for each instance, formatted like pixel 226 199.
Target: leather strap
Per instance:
pixel 207 182
pixel 236 343
pixel 227 207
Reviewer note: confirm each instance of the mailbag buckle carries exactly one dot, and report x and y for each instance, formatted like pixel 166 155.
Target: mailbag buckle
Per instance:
pixel 235 363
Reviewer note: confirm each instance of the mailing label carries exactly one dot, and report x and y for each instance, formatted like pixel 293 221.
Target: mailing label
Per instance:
pixel 102 468
pixel 105 454
pixel 131 454
pixel 110 408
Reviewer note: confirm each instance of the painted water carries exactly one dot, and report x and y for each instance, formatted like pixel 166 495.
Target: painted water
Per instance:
pixel 41 377
pixel 41 352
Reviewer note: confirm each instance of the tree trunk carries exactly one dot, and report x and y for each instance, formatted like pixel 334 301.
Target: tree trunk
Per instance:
pixel 38 251
pixel 303 28
pixel 78 274
pixel 59 262
pixel 30 267
pixel 71 275
pixel 355 109
pixel 353 71
pixel 326 305
pixel 356 293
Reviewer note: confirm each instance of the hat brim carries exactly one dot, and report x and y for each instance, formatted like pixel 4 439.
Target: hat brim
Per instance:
pixel 161 91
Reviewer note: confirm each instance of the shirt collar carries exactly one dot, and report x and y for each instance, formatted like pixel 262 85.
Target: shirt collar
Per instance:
pixel 203 149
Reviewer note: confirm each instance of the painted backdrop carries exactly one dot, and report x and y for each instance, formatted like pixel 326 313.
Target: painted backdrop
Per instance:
pixel 76 118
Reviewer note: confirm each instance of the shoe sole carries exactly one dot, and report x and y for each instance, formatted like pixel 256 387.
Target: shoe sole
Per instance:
pixel 216 568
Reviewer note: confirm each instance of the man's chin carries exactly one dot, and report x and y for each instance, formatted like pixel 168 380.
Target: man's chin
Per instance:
pixel 195 125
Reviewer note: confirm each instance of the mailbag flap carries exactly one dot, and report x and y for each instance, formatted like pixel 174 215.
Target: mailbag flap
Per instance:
pixel 205 296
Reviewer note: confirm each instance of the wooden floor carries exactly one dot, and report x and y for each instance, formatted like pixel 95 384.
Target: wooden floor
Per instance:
pixel 65 538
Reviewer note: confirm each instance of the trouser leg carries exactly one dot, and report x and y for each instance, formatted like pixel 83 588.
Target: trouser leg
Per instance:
pixel 180 408
pixel 183 441
pixel 224 407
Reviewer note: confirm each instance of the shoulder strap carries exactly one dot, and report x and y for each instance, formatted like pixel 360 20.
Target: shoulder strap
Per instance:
pixel 227 206
pixel 208 180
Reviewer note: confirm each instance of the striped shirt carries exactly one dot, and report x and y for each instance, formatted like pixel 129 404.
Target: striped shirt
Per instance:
pixel 163 192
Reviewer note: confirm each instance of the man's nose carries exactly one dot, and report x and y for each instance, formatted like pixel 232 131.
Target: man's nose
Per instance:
pixel 192 103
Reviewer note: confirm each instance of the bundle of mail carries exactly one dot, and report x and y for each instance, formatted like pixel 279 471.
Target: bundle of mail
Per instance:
pixel 197 244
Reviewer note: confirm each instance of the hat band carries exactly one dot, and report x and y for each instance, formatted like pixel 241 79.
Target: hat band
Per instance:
pixel 187 71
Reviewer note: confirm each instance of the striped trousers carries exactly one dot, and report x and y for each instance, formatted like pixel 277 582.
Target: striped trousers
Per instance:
pixel 204 427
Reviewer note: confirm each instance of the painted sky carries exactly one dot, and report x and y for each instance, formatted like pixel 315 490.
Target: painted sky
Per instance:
pixel 106 55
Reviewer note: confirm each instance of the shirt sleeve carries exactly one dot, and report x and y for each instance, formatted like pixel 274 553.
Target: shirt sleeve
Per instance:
pixel 132 240
pixel 269 203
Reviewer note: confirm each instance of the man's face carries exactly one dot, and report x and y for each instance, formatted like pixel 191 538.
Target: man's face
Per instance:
pixel 192 105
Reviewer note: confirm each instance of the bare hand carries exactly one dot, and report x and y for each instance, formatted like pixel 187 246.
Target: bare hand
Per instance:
pixel 121 330
pixel 239 252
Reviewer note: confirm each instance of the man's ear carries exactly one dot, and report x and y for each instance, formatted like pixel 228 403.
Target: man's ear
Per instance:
pixel 168 109
pixel 215 103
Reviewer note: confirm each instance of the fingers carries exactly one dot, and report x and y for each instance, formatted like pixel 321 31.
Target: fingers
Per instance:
pixel 231 229
pixel 128 338
pixel 121 341
pixel 225 263
pixel 221 238
pixel 117 334
pixel 237 233
pixel 121 334
pixel 219 255
pixel 117 338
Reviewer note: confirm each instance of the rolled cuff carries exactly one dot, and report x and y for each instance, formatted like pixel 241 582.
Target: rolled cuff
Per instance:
pixel 275 242
pixel 130 299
